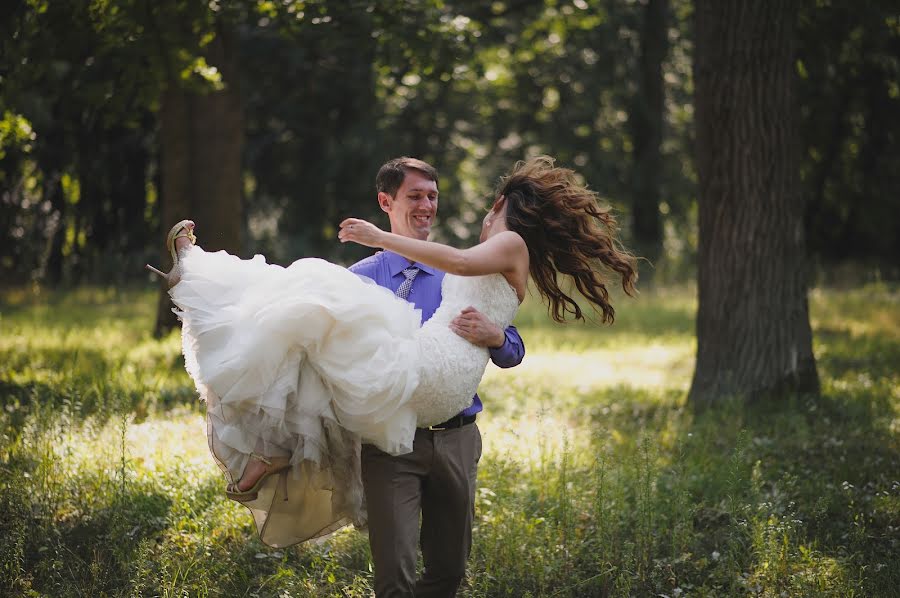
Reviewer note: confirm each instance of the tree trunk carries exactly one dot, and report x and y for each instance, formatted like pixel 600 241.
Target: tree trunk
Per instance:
pixel 646 123
pixel 200 161
pixel 53 266
pixel 129 192
pixel 753 332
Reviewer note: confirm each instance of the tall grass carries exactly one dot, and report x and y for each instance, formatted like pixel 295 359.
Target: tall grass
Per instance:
pixel 596 480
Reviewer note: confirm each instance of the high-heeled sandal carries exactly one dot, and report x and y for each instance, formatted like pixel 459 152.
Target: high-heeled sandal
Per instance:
pixel 180 230
pixel 273 466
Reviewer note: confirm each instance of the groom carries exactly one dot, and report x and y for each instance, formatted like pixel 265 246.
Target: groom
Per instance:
pixel 437 479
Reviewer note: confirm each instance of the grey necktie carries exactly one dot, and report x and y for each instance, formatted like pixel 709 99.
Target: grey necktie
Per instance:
pixel 406 285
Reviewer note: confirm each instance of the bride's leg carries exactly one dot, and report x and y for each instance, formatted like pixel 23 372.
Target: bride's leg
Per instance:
pixel 269 456
pixel 179 238
pixel 182 242
pixel 259 466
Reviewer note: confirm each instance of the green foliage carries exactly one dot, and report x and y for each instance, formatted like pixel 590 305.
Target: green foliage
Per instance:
pixel 595 480
pixel 87 78
pixel 332 89
pixel 849 84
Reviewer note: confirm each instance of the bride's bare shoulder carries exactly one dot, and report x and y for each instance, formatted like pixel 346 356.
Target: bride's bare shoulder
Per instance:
pixel 514 247
pixel 507 239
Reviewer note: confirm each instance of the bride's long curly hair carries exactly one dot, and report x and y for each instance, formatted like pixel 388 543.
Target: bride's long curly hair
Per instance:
pixel 567 232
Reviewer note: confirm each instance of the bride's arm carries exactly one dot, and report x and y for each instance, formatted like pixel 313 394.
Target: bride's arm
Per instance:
pixel 502 253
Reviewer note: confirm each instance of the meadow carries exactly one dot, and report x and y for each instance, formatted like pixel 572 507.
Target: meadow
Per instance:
pixel 597 478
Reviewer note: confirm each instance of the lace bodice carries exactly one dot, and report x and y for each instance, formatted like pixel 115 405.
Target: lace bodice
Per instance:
pixel 450 367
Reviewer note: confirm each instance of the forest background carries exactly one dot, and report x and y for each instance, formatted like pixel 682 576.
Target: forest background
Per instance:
pixel 735 432
pixel 282 112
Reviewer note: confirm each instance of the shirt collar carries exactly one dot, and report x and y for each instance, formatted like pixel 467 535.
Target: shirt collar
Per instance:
pixel 397 264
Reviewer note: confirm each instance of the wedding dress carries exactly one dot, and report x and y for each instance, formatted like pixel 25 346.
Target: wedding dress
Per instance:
pixel 310 360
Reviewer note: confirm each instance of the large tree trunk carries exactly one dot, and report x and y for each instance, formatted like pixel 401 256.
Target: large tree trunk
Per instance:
pixel 200 161
pixel 645 120
pixel 753 332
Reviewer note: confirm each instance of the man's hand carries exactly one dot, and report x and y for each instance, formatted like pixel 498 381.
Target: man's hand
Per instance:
pixel 360 231
pixel 474 326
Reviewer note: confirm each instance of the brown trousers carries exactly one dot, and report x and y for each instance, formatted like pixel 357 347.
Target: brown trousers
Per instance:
pixel 437 479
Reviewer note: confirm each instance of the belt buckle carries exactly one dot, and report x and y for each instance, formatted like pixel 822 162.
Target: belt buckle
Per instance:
pixel 435 429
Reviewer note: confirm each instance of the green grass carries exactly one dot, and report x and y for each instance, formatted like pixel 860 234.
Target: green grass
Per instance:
pixel 596 479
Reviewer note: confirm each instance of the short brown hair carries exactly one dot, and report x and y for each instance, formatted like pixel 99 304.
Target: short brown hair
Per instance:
pixel 391 175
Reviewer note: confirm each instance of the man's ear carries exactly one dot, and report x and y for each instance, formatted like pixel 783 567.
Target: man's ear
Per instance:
pixel 384 200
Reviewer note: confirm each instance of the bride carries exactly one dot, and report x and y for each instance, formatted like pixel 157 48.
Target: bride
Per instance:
pixel 299 364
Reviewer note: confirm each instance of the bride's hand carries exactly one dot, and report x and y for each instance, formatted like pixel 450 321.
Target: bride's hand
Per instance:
pixel 360 231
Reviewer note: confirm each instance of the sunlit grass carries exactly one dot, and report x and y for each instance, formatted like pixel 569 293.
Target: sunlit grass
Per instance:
pixel 596 480
pixel 651 365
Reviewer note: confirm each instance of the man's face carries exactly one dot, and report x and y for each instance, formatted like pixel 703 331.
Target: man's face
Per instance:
pixel 412 209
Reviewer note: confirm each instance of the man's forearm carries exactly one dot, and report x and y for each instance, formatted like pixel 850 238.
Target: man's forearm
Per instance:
pixel 511 352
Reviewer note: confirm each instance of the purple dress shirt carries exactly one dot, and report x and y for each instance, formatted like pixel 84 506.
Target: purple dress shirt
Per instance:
pixel 386 269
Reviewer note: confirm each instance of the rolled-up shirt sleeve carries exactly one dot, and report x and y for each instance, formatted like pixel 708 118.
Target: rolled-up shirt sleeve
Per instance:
pixel 511 352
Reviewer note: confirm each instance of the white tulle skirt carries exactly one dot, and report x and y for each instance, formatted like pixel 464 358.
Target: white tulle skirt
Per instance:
pixel 307 362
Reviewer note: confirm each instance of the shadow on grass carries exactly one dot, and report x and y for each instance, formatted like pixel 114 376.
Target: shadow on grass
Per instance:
pixel 831 463
pixel 796 495
pixel 21 399
pixel 92 535
pixel 840 353
pixel 80 552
